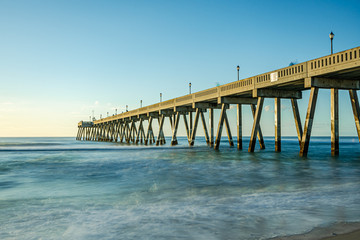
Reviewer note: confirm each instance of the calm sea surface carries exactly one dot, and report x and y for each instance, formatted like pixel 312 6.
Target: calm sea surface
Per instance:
pixel 59 188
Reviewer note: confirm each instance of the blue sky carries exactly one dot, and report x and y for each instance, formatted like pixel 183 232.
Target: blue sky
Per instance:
pixel 62 59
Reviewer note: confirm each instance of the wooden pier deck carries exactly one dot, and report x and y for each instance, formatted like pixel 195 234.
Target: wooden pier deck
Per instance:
pixel 337 71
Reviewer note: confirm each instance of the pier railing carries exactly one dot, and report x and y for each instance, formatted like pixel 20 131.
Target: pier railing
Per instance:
pixel 320 66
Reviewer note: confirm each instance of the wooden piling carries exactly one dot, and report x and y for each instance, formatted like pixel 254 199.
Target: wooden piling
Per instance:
pixel 193 133
pixel 139 132
pixel 297 119
pixel 211 126
pixel 256 124
pixel 205 128
pixel 277 124
pixel 148 131
pixel 220 125
pixel 308 122
pixel 334 121
pixel 174 131
pixel 259 132
pixel 186 128
pixel 161 124
pixel 77 135
pixel 228 131
pixel 239 126
pixel 356 109
pixel 190 124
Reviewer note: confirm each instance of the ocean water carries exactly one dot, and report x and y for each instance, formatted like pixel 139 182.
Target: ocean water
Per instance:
pixel 59 188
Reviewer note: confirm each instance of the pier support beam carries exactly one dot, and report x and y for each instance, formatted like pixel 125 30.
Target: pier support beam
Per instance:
pixel 174 131
pixel 118 131
pixel 277 124
pixel 205 128
pixel 77 135
pixel 308 122
pixel 100 130
pixel 112 131
pixel 211 127
pixel 334 122
pixel 220 126
pixel 160 135
pixel 80 133
pixel 127 133
pixel 148 132
pixel 93 137
pixel 331 83
pixel 123 132
pixel 186 128
pixel 276 93
pixel 239 126
pixel 193 133
pixel 190 125
pixel 297 119
pixel 259 132
pixel 356 110
pixel 228 131
pixel 139 132
pixel 256 124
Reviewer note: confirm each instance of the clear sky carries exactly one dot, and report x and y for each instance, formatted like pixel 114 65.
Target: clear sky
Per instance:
pixel 60 60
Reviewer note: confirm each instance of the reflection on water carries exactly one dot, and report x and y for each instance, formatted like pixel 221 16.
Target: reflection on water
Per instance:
pixel 58 188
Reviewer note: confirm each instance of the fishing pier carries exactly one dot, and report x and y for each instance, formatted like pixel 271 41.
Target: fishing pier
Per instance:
pixel 339 71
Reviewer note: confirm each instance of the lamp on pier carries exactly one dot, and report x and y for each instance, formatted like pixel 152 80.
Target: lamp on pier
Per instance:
pixel 331 35
pixel 141 103
pixel 160 97
pixel 115 111
pixel 126 107
pixel 238 69
pixel 190 88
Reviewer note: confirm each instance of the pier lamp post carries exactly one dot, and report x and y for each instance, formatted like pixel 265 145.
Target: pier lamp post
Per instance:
pixel 238 69
pixel 190 88
pixel 100 116
pixel 141 103
pixel 126 107
pixel 331 35
pixel 107 114
pixel 115 111
pixel 160 97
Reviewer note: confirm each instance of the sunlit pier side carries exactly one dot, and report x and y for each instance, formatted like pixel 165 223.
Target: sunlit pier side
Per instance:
pixel 336 71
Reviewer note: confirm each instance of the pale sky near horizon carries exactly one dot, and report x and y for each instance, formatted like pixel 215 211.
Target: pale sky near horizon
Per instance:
pixel 60 60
